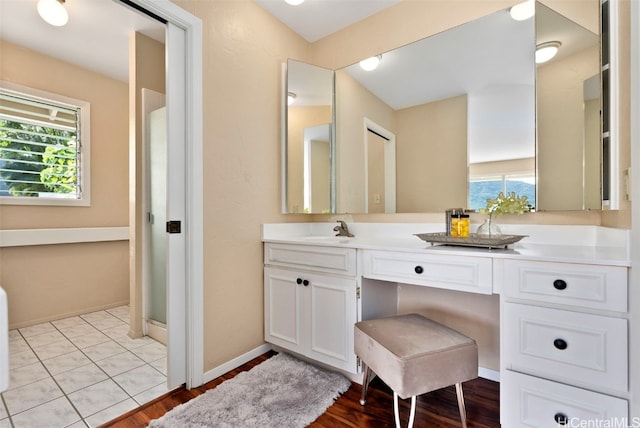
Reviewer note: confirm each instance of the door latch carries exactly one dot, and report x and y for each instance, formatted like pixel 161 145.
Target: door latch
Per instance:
pixel 174 226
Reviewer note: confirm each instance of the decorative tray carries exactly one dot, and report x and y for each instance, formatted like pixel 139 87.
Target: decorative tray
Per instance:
pixel 473 240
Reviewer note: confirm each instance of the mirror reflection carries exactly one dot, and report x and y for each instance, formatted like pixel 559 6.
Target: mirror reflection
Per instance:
pixel 310 167
pixel 460 107
pixel 568 106
pixel 455 118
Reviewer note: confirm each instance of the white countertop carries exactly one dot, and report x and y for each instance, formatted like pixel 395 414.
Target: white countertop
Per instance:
pixel 588 244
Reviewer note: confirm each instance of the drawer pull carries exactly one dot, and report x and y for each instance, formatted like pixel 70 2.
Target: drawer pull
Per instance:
pixel 560 284
pixel 561 418
pixel 419 269
pixel 305 282
pixel 299 281
pixel 560 344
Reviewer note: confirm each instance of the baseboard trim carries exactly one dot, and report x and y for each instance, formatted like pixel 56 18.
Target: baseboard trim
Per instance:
pixel 63 315
pixel 489 374
pixel 216 372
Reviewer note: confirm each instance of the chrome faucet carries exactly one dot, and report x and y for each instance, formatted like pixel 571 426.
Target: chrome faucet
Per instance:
pixel 342 230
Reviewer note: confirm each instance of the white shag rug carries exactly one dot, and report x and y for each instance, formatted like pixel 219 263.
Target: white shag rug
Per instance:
pixel 281 392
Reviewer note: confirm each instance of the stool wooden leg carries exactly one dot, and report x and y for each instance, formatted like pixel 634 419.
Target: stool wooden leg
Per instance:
pixel 461 407
pixel 366 378
pixel 396 413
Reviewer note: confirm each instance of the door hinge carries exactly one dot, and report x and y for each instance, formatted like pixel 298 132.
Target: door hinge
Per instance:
pixel 357 292
pixel 174 226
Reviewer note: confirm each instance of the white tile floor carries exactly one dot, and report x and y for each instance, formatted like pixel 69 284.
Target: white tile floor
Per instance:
pixel 80 371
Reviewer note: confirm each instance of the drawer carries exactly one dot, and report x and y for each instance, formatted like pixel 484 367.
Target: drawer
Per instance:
pixel 586 286
pixel 314 258
pixel 472 274
pixel 527 401
pixel 576 348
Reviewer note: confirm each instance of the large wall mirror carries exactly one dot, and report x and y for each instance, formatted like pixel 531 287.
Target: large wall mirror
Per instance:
pixel 309 149
pixel 453 119
pixel 568 115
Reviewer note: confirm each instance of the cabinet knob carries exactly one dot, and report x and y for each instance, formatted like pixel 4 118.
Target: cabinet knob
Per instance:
pixel 561 418
pixel 560 284
pixel 419 269
pixel 305 282
pixel 560 344
pixel 299 281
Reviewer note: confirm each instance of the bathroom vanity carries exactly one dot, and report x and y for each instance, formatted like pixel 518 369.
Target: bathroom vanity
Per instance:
pixel 563 308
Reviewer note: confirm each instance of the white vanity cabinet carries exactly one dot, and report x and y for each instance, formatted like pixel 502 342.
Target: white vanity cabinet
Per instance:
pixel 564 343
pixel 311 301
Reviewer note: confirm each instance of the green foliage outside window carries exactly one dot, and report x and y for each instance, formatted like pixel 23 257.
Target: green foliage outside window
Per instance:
pixel 36 159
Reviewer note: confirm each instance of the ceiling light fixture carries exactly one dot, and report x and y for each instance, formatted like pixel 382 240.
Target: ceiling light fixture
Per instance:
pixel 291 97
pixel 523 11
pixel 546 51
pixel 370 63
pixel 294 2
pixel 53 12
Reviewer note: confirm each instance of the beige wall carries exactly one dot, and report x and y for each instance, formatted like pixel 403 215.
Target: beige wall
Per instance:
pixel 35 293
pixel 476 315
pixel 49 282
pixel 243 51
pixel 427 134
pixel 353 105
pixel 298 119
pixel 146 71
pixel 560 130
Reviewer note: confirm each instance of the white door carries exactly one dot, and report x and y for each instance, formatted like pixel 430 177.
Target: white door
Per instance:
pixel 176 202
pixel 184 159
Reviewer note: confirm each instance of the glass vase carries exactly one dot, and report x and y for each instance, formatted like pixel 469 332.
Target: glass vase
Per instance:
pixel 488 229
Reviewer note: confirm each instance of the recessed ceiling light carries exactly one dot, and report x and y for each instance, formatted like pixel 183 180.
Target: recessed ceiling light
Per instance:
pixel 370 63
pixel 294 2
pixel 53 12
pixel 546 51
pixel 523 11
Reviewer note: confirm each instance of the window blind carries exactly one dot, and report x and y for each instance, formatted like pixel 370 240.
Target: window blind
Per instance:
pixel 39 148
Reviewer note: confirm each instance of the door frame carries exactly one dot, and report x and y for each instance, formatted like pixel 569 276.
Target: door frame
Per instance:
pixel 389 165
pixel 184 122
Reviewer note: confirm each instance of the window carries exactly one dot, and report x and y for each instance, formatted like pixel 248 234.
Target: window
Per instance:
pixel 482 188
pixel 44 147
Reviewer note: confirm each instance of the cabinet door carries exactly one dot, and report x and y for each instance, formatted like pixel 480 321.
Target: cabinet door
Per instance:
pixel 284 299
pixel 332 315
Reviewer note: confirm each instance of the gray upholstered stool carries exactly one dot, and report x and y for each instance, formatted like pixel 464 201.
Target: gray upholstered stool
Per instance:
pixel 414 355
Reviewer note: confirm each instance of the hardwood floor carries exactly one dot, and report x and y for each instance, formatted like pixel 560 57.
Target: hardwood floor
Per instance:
pixel 437 409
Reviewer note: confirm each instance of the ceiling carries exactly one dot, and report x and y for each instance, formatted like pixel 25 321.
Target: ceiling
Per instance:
pixel 97 34
pixel 315 19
